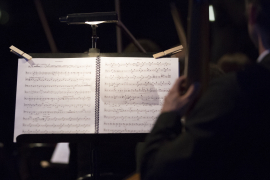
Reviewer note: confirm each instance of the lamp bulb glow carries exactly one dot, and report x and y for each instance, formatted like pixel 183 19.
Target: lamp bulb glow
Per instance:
pixel 94 22
pixel 211 14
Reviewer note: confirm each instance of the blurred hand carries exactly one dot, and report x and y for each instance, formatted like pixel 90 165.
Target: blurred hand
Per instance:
pixel 177 100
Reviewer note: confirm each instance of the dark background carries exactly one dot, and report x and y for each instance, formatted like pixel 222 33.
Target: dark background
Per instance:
pixel 144 18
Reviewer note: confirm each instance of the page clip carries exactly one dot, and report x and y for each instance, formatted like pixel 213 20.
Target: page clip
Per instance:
pixel 21 54
pixel 168 52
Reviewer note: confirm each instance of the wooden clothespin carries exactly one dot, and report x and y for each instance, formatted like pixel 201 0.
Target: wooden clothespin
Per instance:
pixel 168 52
pixel 21 54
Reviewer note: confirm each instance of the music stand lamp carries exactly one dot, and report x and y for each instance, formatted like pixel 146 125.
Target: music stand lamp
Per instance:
pixel 92 19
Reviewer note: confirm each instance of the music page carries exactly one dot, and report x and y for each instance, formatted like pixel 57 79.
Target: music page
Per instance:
pixel 132 92
pixel 55 96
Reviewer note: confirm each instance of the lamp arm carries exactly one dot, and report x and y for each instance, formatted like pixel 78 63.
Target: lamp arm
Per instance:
pixel 137 44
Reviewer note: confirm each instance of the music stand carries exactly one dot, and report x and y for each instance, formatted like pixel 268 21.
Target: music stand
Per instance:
pixel 91 138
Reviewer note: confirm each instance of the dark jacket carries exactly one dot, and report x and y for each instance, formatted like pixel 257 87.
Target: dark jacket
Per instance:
pixel 227 134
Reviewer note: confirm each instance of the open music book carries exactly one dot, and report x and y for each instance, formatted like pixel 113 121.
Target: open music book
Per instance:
pixel 91 95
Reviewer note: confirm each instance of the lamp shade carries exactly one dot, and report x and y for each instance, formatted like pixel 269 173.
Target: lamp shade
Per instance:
pixel 82 18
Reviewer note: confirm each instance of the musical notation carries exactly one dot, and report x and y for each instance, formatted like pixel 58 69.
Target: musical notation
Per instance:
pixel 124 131
pixel 55 112
pixel 159 83
pixel 38 131
pixel 58 86
pixel 35 79
pixel 50 105
pixel 138 77
pixel 135 104
pixel 60 66
pixel 133 97
pixel 138 64
pixel 133 93
pixel 45 119
pixel 145 124
pixel 131 110
pixel 156 70
pixel 132 118
pixel 57 99
pixel 58 73
pixel 61 125
pixel 58 96
pixel 57 92
pixel 130 90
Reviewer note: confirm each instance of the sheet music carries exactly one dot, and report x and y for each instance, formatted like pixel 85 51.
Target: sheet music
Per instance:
pixel 132 91
pixel 55 96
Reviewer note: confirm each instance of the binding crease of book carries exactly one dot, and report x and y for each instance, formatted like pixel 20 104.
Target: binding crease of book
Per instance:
pixel 169 52
pixel 22 54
